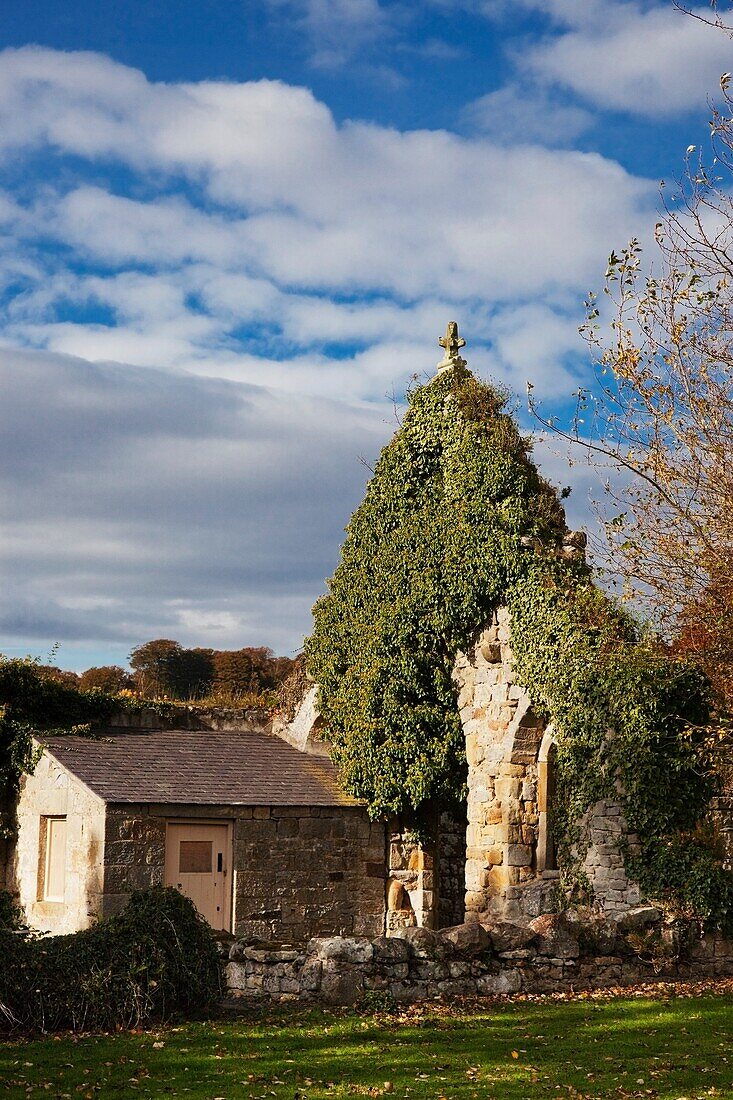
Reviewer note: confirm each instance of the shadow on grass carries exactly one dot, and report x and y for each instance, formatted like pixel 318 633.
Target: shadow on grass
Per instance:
pixel 670 1049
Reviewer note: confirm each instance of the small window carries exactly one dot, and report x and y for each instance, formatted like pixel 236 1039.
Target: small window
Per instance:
pixel 195 857
pixel 53 839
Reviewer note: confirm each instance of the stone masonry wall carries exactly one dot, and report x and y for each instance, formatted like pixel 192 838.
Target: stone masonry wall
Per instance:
pixel 298 871
pixel 508 870
pixel 51 791
pixel 426 877
pixel 503 737
pixel 553 953
pixel 134 852
pixel 411 880
pixel 451 894
pixel 603 862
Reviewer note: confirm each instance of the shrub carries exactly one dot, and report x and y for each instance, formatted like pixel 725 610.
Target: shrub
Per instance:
pixel 12 918
pixel 155 958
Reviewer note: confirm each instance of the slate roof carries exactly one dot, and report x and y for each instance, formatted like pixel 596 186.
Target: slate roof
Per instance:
pixel 207 767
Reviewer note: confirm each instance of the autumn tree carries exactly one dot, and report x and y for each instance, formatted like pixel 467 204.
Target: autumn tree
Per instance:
pixel 194 673
pixel 253 669
pixel 659 421
pixel 163 667
pixel 109 678
pixel 60 675
pixel 156 667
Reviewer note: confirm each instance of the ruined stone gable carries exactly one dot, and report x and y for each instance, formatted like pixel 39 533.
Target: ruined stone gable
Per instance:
pixel 511 869
pixel 459 581
pixel 497 861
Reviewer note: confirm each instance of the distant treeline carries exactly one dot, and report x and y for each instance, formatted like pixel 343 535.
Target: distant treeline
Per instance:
pixel 164 669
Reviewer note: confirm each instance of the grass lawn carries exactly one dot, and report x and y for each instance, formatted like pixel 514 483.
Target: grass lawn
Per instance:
pixel 675 1047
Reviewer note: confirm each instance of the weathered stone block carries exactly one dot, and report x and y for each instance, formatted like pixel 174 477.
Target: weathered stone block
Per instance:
pixel 270 954
pixel 557 936
pixel 310 974
pixel 341 987
pixel 505 981
pixel 271 982
pixel 236 975
pixel 519 855
pixel 316 828
pixel 529 790
pixel 635 920
pixel 508 936
pixel 347 949
pixel 468 939
pixel 391 949
pixel 475 900
pixel 121 852
pixel 423 942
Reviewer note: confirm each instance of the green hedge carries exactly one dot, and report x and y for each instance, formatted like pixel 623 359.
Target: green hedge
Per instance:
pixel 156 958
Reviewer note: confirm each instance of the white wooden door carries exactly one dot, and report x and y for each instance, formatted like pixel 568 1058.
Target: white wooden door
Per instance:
pixel 197 862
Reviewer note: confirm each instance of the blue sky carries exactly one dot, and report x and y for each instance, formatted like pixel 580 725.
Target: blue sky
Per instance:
pixel 229 234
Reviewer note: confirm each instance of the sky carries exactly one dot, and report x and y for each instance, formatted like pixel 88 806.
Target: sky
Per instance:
pixel 232 231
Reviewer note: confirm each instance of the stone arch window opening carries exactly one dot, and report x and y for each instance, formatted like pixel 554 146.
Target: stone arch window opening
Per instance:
pixel 546 764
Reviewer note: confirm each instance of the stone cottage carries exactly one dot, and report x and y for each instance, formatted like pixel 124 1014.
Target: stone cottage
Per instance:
pixel 259 835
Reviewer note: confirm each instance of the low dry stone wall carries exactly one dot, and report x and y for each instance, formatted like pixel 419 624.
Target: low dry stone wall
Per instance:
pixel 554 952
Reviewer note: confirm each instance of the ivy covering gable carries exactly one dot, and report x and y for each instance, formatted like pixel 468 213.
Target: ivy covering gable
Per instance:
pixel 427 556
pixel 457 521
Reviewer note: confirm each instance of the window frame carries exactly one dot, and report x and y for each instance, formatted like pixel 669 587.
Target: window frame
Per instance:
pixel 48 848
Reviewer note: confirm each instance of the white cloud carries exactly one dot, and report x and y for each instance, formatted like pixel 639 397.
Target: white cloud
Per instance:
pixel 516 115
pixel 136 502
pixel 312 205
pixel 571 13
pixel 209 624
pixel 257 234
pixel 646 59
pixel 337 30
pixel 243 282
pixel 114 230
pixel 535 343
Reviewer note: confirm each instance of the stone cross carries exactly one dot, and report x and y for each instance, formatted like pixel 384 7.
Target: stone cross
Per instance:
pixel 452 343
